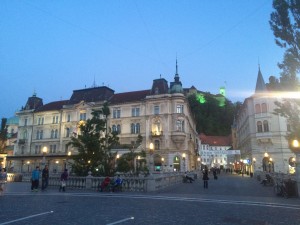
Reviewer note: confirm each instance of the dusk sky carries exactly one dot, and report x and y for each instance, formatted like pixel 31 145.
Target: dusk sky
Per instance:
pixel 55 47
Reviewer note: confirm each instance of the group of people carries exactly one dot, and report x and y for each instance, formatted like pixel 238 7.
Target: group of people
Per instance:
pixel 107 184
pixel 35 177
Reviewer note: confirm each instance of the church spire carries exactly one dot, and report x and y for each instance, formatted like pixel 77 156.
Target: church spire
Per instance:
pixel 260 83
pixel 176 78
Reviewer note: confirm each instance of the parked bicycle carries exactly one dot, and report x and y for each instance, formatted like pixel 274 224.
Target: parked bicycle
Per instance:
pixel 280 189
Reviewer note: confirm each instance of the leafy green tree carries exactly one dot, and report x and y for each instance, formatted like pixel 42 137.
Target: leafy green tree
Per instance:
pixel 211 118
pixel 94 145
pixel 285 23
pixel 3 135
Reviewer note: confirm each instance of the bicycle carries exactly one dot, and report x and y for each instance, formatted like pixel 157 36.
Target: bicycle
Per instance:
pixel 280 189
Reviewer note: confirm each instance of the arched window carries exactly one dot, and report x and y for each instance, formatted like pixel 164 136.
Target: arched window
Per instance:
pixel 257 108
pixel 264 108
pixel 114 128
pixel 56 133
pixel 266 126
pixel 259 127
pixel 52 134
pixel 132 128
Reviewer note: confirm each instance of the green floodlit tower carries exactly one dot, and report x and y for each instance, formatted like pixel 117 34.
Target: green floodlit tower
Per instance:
pixel 222 96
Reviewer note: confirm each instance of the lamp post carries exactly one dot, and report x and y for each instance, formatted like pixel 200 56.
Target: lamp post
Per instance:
pixel 151 150
pixel 254 164
pixel 162 164
pixel 295 147
pixel 198 162
pixel 183 158
pixel 44 155
pixel 28 162
pixel 67 161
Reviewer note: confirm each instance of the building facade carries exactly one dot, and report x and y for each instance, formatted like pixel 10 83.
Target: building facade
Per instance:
pixel 161 115
pixel 261 134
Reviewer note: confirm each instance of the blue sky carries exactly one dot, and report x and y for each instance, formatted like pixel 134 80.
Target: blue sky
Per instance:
pixel 55 47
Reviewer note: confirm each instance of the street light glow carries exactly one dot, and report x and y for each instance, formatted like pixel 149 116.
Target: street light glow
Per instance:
pixel 295 143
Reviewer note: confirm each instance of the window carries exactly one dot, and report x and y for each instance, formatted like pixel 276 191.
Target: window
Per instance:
pixel 37 149
pixel 52 148
pixel 52 134
pixel 82 116
pixel 116 128
pixel 39 121
pixel 68 118
pixel 41 134
pixel 264 108
pixel 37 135
pixel 257 108
pixel 156 110
pixel 53 119
pixel 179 109
pixel 67 132
pixel 259 127
pixel 135 112
pixel 156 145
pixel 56 133
pixel 25 122
pixel 116 113
pixel 266 126
pixel 179 125
pixel 135 128
pixel 288 127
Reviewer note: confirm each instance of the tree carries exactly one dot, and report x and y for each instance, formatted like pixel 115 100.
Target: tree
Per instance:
pixel 285 23
pixel 3 135
pixel 94 143
pixel 211 118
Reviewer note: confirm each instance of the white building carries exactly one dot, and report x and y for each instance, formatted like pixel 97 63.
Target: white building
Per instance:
pixel 261 134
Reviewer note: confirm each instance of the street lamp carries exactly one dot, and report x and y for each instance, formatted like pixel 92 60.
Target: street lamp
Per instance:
pixel 295 147
pixel 67 161
pixel 151 150
pixel 198 162
pixel 183 158
pixel 44 155
pixel 162 164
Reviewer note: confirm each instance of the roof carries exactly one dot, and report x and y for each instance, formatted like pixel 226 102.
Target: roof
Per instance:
pixel 129 96
pixel 52 106
pixel 159 86
pixel 216 140
pixel 260 83
pixel 94 94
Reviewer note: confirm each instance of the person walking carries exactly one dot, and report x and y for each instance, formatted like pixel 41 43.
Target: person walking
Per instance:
pixel 45 178
pixel 3 178
pixel 205 178
pixel 63 180
pixel 35 176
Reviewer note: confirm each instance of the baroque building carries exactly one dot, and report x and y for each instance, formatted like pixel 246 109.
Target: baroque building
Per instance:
pixel 161 115
pixel 261 134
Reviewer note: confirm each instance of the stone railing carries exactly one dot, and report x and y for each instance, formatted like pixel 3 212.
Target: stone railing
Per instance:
pixel 153 182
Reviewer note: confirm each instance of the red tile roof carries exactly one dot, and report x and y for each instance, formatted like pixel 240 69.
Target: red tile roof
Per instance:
pixel 129 97
pixel 216 140
pixel 52 106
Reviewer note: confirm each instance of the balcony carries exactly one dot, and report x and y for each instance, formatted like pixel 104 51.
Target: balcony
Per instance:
pixel 22 141
pixel 178 137
pixel 156 133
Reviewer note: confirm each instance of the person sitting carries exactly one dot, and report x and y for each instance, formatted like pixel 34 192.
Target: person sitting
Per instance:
pixel 118 184
pixel 190 179
pixel 267 180
pixel 105 184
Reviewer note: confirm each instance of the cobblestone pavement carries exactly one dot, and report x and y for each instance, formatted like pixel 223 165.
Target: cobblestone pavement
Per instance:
pixel 230 200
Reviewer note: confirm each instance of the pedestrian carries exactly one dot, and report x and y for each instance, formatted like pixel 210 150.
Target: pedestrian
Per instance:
pixel 35 176
pixel 205 178
pixel 63 180
pixel 45 178
pixel 3 178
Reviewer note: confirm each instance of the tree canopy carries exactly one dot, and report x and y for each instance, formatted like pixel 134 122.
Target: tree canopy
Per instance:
pixel 3 135
pixel 94 143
